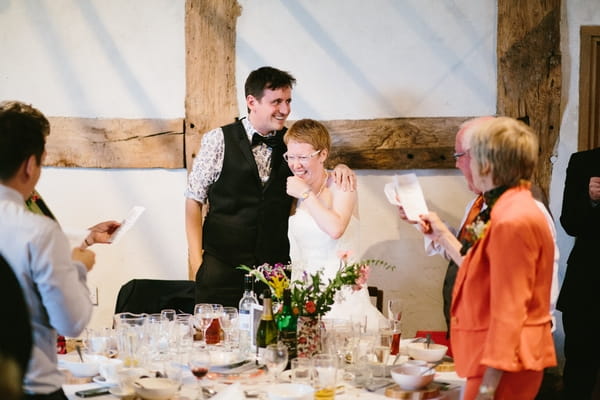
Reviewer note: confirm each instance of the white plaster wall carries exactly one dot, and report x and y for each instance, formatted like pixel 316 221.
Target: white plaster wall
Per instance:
pixel 352 59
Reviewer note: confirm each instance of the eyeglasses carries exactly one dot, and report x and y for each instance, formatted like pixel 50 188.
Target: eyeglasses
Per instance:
pixel 458 155
pixel 292 158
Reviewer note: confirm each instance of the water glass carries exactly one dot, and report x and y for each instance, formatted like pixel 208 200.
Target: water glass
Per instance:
pixel 301 370
pixel 324 377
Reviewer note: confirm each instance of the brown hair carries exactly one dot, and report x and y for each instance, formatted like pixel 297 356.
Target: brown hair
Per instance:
pixel 311 132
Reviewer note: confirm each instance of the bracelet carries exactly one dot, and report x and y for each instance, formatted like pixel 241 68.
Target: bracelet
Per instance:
pixel 305 194
pixel 86 242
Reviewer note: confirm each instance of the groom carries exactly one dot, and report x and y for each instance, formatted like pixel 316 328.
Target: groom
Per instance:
pixel 240 172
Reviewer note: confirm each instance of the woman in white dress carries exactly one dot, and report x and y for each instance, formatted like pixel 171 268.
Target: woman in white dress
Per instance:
pixel 324 220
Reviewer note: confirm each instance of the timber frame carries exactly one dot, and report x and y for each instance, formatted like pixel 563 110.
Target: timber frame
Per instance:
pixel 529 86
pixel 589 88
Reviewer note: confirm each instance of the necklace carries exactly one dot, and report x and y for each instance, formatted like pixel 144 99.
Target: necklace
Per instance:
pixel 324 183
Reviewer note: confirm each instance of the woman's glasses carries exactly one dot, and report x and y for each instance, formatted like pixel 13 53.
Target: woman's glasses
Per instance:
pixel 303 159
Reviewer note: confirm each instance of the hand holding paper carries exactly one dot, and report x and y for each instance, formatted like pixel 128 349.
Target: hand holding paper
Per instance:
pixel 127 223
pixel 406 192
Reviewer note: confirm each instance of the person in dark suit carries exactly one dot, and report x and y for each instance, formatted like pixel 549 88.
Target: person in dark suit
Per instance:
pixel 580 218
pixel 240 175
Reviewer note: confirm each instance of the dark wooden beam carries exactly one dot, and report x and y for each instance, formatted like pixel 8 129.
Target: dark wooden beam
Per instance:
pixel 529 72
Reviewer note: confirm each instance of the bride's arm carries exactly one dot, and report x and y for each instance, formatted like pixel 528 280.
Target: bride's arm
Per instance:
pixel 334 220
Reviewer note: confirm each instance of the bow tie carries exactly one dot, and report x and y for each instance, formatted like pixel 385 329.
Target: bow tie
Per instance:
pixel 271 141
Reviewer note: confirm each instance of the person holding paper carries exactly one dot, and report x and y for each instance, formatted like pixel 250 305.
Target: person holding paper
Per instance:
pixel 51 275
pixel 324 219
pixel 501 329
pixel 462 156
pixel 239 174
pixel 99 233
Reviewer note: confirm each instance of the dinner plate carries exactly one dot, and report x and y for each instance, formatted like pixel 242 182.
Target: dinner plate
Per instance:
pixel 237 377
pixel 102 381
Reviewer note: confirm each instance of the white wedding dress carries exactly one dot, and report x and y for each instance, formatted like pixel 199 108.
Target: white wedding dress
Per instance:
pixel 311 249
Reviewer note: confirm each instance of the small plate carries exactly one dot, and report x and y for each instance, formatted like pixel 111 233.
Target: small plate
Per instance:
pixel 100 380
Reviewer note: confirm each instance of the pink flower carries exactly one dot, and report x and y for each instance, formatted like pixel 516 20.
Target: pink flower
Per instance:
pixel 344 255
pixel 363 276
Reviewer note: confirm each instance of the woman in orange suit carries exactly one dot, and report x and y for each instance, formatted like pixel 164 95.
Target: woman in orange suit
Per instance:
pixel 501 329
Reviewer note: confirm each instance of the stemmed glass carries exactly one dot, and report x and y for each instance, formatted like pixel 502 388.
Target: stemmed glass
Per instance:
pixel 228 319
pixel 199 363
pixel 276 358
pixel 203 315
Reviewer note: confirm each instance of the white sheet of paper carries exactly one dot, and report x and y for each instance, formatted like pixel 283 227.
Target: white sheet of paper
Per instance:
pixel 127 223
pixel 409 193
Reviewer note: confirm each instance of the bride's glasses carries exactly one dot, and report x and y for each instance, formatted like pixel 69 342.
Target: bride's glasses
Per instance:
pixel 302 159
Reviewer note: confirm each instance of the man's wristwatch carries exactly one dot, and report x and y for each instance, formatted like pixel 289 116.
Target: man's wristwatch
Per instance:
pixel 305 194
pixel 487 391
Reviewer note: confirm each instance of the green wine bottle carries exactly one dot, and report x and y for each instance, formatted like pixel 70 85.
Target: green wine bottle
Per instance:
pixel 287 323
pixel 266 333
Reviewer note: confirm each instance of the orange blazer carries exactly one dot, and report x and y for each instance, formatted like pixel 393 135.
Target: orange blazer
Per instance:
pixel 501 298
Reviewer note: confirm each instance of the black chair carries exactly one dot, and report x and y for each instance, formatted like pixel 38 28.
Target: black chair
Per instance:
pixel 378 294
pixel 153 295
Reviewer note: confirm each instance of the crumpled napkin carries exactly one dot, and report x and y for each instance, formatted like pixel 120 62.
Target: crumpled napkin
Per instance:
pixel 231 392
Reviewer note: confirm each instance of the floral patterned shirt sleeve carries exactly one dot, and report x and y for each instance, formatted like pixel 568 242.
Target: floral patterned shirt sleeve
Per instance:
pixel 207 165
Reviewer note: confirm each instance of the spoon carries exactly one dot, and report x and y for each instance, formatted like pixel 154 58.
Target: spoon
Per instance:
pixel 435 364
pixel 78 348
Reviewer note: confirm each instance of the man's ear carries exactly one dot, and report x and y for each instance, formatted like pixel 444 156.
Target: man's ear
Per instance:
pixel 250 101
pixel 30 166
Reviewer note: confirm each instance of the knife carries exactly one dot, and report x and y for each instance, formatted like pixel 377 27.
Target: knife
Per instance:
pixel 228 368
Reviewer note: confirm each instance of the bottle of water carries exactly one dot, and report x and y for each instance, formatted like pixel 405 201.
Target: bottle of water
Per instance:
pixel 245 314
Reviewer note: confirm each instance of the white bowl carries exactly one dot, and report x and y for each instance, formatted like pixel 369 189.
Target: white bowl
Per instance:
pixel 290 391
pixel 155 388
pixel 409 377
pixel 89 366
pixel 419 351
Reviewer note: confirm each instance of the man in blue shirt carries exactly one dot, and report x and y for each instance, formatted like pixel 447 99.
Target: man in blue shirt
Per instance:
pixel 50 273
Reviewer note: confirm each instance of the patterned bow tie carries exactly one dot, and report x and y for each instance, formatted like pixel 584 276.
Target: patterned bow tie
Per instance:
pixel 271 141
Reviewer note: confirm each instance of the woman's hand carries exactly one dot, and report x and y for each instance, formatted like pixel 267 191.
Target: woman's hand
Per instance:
pixel 436 230
pixel 296 187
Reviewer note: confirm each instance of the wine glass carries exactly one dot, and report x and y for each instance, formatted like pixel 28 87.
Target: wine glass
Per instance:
pixel 228 319
pixel 276 358
pixel 203 316
pixel 199 362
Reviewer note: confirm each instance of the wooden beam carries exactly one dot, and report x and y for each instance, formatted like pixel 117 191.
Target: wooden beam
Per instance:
pixel 115 143
pixel 394 143
pixel 210 33
pixel 529 72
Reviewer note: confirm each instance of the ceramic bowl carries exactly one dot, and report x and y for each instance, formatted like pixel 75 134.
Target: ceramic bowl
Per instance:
pixel 290 391
pixel 409 377
pixel 420 351
pixel 89 367
pixel 155 388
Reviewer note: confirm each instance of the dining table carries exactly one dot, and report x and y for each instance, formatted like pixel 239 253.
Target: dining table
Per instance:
pixel 258 388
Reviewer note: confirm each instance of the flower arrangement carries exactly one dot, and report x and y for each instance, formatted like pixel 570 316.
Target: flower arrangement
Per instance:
pixel 312 295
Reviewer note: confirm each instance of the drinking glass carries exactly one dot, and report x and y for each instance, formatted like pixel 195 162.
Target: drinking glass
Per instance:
pixel 301 370
pixel 203 316
pixel 199 363
pixel 381 351
pixel 213 332
pixel 394 308
pixel 131 334
pixel 276 358
pixel 168 314
pixel 228 319
pixel 324 378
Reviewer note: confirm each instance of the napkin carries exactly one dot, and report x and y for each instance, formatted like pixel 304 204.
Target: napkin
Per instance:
pixel 231 392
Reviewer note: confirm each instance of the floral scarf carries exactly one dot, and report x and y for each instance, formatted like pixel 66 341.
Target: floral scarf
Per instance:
pixel 476 230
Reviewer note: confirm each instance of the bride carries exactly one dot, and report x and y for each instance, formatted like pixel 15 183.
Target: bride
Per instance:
pixel 324 220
